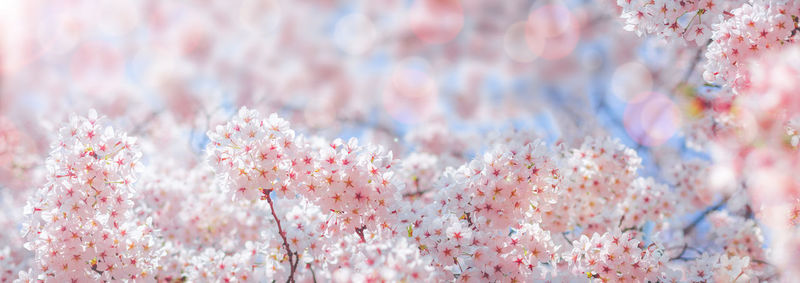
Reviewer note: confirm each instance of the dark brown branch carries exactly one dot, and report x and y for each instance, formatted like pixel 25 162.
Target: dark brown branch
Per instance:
pixel 469 220
pixel 360 232
pixel 292 256
pixel 414 194
pixel 313 276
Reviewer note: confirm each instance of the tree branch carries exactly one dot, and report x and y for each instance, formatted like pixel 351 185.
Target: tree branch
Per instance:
pixel 360 232
pixel 696 221
pixel 293 257
pixel 695 61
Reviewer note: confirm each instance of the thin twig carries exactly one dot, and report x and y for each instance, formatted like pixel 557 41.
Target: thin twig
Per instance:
pixel 702 216
pixel 313 276
pixel 683 250
pixel 564 234
pixel 469 220
pixel 293 257
pixel 141 126
pixel 415 194
pixel 695 61
pixel 360 232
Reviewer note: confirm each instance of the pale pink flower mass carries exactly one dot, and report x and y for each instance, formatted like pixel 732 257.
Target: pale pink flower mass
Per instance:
pixel 400 141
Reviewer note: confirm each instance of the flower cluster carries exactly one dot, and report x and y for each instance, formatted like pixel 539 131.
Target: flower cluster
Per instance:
pixel 690 20
pixel 692 185
pixel 504 185
pixel 720 268
pixel 385 261
pixel 646 201
pixel 205 237
pixel 169 199
pixel 749 31
pixel 324 196
pixel 736 235
pixel 423 194
pixel 259 157
pixel 305 209
pixel 217 266
pixel 81 224
pixel 616 256
pixel 762 157
pixel 734 30
pixel 597 179
pixel 418 172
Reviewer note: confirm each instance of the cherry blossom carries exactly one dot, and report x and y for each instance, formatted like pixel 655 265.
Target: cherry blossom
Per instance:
pixel 80 223
pixel 400 141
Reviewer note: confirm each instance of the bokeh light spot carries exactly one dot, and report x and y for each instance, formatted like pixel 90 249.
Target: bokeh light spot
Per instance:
pixel 436 21
pixel 517 47
pixel 412 92
pixel 354 34
pixel 651 119
pixel 630 80
pixel 555 29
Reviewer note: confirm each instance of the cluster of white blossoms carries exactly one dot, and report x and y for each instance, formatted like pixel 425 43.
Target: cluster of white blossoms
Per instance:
pixel 423 194
pixel 735 31
pixel 269 204
pixel 81 224
pixel 334 205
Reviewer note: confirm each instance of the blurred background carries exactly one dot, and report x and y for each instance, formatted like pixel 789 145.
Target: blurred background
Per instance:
pixel 430 75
